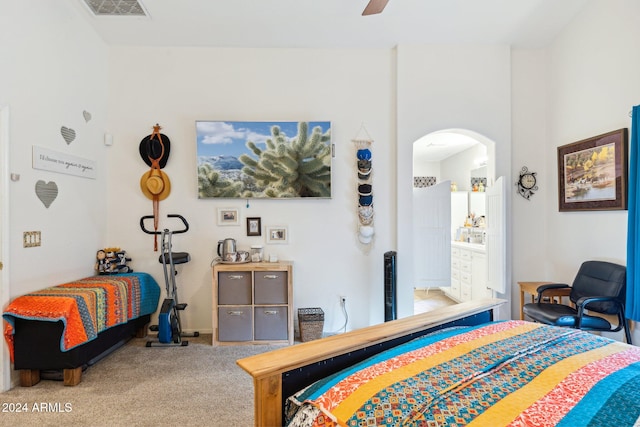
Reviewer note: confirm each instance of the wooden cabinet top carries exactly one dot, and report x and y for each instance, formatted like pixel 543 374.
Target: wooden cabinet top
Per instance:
pixel 255 266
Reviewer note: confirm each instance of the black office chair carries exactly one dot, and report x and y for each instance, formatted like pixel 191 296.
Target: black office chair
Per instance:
pixel 599 287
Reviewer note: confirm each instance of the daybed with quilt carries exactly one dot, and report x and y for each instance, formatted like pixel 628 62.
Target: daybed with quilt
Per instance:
pixel 497 373
pixel 70 326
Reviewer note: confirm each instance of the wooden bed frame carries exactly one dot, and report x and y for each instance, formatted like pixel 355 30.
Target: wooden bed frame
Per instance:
pixel 280 373
pixel 37 349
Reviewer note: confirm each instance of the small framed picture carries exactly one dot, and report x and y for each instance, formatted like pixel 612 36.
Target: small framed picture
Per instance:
pixel 254 226
pixel 228 216
pixel 277 234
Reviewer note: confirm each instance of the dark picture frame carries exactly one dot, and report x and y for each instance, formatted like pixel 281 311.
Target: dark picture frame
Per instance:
pixel 593 173
pixel 254 226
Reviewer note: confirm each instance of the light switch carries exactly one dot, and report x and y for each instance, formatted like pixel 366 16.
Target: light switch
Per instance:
pixel 31 239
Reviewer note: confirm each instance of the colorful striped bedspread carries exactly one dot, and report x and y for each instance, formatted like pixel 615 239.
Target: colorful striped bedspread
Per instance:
pixel 511 373
pixel 87 306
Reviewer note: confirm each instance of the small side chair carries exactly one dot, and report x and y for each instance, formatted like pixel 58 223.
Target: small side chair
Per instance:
pixel 598 288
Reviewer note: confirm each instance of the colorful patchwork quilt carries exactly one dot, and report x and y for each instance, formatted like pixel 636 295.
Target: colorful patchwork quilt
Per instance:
pixel 511 373
pixel 87 306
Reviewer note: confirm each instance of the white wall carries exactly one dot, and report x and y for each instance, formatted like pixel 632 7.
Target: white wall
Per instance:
pixel 423 167
pixel 530 101
pixel 530 138
pixel 176 87
pixel 457 168
pixel 445 87
pixel 591 80
pixel 53 68
pixel 591 92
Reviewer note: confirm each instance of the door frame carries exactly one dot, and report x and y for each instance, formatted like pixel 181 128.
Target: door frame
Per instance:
pixel 404 210
pixel 5 360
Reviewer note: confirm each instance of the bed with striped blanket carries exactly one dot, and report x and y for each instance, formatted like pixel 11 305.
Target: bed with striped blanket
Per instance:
pixel 81 319
pixel 507 373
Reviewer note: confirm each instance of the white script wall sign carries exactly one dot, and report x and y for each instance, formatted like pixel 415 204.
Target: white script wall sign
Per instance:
pixel 55 161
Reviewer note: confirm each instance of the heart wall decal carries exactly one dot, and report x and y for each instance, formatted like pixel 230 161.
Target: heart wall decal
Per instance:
pixel 46 192
pixel 86 115
pixel 68 134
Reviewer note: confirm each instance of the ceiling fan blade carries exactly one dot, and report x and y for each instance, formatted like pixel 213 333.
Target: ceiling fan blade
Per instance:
pixel 374 6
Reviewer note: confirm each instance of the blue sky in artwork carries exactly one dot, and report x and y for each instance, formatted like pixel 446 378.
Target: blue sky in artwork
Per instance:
pixel 215 138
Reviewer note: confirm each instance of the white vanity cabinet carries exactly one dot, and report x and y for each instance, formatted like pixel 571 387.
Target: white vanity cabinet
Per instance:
pixel 479 266
pixel 468 272
pixel 453 291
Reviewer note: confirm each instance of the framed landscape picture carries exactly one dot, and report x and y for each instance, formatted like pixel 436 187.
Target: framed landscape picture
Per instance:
pixel 228 216
pixel 277 234
pixel 592 173
pixel 271 160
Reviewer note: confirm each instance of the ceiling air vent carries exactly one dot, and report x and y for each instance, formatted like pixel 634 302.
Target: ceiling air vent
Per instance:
pixel 116 7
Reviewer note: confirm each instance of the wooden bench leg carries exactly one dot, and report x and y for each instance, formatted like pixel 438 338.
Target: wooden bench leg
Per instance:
pixel 72 376
pixel 29 377
pixel 142 332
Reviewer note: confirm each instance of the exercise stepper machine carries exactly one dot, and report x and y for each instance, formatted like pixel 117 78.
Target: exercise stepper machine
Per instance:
pixel 169 327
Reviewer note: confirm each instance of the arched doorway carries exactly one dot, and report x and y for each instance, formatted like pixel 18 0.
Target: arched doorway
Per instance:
pixel 451 170
pixel 443 144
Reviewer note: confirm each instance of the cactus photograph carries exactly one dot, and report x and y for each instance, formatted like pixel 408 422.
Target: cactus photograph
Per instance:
pixel 263 159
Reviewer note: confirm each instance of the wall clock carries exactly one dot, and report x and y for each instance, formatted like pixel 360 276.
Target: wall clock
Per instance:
pixel 527 183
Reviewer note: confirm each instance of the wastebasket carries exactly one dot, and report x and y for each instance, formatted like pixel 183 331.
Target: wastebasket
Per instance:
pixel 311 323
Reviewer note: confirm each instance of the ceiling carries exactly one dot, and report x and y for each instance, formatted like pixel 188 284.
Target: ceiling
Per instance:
pixel 439 146
pixel 335 23
pixel 338 24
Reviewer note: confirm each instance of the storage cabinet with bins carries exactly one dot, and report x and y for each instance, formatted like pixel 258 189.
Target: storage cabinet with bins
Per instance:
pixel 253 303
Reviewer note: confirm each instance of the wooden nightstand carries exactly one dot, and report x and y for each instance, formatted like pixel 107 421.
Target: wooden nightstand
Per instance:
pixel 531 288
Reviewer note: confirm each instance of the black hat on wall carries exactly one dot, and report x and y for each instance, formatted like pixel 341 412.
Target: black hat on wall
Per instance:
pixel 155 146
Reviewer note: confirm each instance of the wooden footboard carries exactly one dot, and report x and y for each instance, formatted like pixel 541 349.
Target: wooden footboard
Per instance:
pixel 279 373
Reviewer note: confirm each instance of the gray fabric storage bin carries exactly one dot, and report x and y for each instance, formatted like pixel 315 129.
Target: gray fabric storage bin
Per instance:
pixel 235 323
pixel 234 287
pixel 270 323
pixel 270 287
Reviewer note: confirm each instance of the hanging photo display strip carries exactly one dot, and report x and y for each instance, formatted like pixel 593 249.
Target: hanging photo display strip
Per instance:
pixel 364 188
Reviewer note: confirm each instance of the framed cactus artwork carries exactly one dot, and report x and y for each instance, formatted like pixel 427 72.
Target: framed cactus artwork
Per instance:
pixel 264 160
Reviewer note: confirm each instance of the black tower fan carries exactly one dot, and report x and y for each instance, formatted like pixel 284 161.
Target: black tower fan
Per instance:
pixel 390 304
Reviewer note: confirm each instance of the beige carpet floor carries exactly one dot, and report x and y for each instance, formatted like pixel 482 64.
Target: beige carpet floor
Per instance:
pixel 196 385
